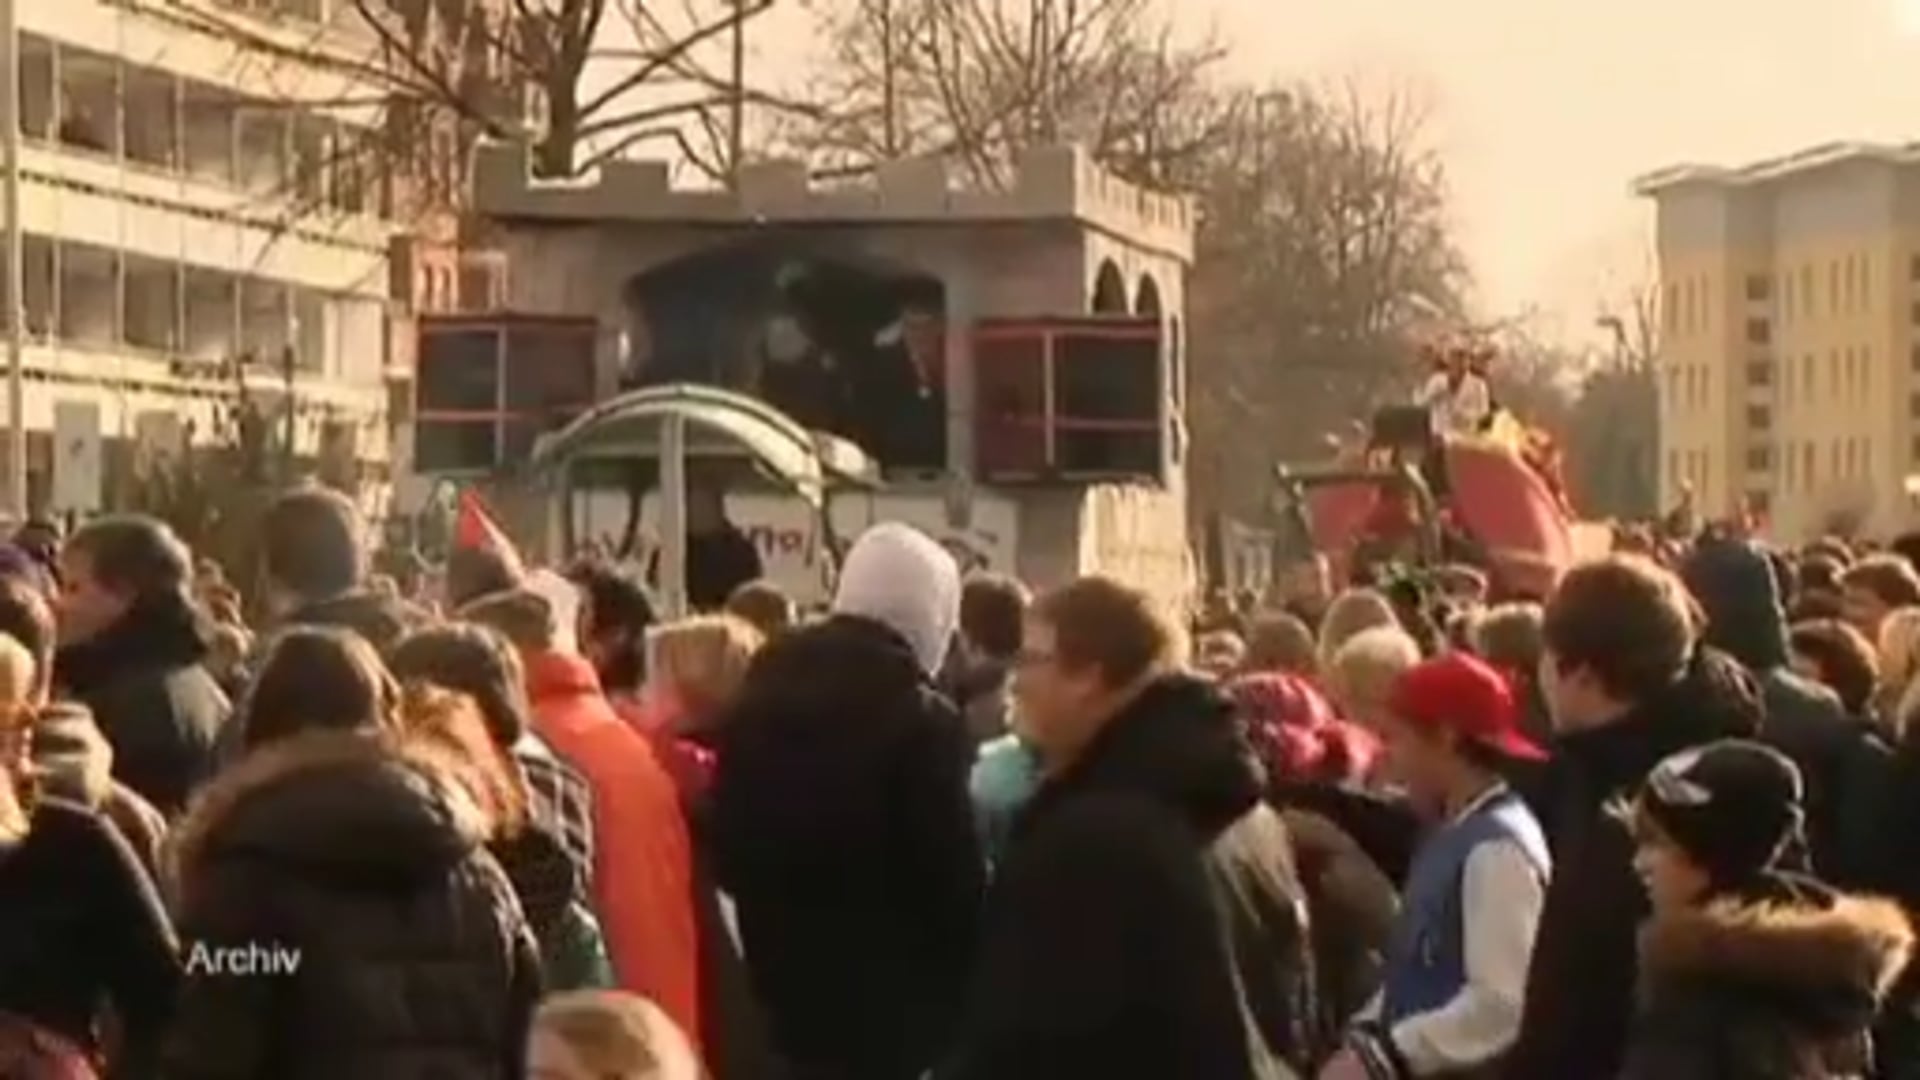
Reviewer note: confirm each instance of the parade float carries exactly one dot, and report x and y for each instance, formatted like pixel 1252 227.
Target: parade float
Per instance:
pixel 1425 486
pixel 1007 360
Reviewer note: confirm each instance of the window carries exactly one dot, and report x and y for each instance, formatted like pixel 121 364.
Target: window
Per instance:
pixel 1806 290
pixel 1759 458
pixel 1913 269
pixel 1913 406
pixel 1759 417
pixel 1670 316
pixel 1914 448
pixel 486 388
pixel 1809 462
pixel 1759 287
pixel 1070 397
pixel 1759 373
pixel 1760 502
pixel 1786 297
pixel 1759 332
pixel 1791 460
pixel 1914 313
pixel 1913 357
pixel 1833 287
pixel 1833 373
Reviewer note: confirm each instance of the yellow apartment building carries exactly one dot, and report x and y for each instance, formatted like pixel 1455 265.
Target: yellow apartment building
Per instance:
pixel 1789 358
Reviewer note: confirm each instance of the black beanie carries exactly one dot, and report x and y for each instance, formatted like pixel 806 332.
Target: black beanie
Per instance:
pixel 1731 805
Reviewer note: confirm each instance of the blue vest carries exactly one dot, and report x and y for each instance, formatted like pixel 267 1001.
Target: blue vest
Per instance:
pixel 1427 959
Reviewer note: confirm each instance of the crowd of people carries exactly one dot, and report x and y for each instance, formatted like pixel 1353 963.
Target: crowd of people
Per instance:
pixel 1646 827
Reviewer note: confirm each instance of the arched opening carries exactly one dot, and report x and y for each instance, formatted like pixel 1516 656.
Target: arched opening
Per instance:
pixel 839 340
pixel 1109 291
pixel 1146 301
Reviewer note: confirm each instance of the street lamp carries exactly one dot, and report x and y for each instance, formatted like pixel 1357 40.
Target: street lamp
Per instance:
pixel 1612 324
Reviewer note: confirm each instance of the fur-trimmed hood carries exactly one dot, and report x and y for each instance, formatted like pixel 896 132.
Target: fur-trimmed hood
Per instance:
pixel 1822 966
pixel 335 805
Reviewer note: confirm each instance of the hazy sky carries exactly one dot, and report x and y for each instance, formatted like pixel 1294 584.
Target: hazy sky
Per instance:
pixel 1548 108
pixel 1545 110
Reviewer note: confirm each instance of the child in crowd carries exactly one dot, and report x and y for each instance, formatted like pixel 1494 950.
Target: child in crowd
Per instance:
pixel 1456 971
pixel 607 1035
pixel 1747 971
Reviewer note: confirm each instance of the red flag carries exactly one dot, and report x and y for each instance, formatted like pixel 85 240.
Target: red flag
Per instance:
pixel 476 530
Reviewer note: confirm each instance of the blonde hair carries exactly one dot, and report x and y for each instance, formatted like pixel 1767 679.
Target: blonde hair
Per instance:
pixel 618 1036
pixel 1510 636
pixel 1352 613
pixel 702 660
pixel 1899 649
pixel 19 689
pixel 1365 667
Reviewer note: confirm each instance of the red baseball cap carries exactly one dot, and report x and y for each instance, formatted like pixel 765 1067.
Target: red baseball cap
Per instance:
pixel 1460 693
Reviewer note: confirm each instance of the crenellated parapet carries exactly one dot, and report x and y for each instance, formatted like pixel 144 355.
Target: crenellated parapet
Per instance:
pixel 1050 184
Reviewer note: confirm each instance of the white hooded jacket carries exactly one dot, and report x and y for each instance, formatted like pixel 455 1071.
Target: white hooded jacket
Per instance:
pixel 902 579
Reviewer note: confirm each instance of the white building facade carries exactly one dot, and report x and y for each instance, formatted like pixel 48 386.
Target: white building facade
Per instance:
pixel 199 223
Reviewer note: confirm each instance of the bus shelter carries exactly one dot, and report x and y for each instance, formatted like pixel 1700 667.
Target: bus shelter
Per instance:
pixel 648 438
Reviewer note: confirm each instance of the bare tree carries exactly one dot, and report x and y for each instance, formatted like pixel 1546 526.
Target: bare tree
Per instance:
pixel 979 80
pixel 1614 439
pixel 538 70
pixel 1323 240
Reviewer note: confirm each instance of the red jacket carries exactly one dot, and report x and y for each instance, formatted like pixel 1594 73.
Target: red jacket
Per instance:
pixel 642 872
pixel 658 717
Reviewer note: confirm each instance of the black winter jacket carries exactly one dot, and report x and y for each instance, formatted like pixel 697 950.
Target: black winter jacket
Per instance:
pixel 144 680
pixel 839 822
pixel 1840 762
pixel 1148 921
pixel 81 926
pixel 413 957
pixel 1580 982
pixel 1739 991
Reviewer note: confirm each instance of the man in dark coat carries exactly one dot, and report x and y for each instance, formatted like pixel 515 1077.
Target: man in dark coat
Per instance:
pixel 840 824
pixel 315 553
pixel 132 651
pixel 1148 920
pixel 1627 686
pixel 1843 763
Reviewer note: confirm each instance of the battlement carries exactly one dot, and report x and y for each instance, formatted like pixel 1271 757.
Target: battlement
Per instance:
pixel 1055 183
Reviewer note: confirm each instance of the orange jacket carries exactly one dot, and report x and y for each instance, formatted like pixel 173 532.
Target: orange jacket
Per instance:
pixel 642 858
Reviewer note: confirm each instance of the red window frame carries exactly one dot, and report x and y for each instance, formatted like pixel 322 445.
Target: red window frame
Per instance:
pixel 503 419
pixel 992 430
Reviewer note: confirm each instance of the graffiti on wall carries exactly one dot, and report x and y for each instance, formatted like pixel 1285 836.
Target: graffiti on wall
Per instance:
pixel 788 536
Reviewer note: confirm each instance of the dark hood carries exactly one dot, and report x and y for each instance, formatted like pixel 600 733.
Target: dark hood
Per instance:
pixel 336 806
pixel 157 633
pixel 1715 698
pixel 1822 967
pixel 71 758
pixel 826 712
pixel 1739 591
pixel 1178 743
pixel 382 620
